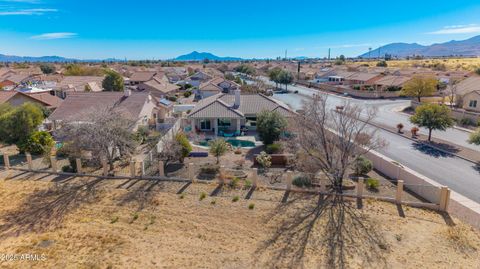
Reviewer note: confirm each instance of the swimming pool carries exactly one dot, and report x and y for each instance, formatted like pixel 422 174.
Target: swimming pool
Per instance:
pixel 233 142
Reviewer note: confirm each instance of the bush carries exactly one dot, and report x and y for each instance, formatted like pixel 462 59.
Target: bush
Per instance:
pixel 187 94
pixel 251 206
pixel 172 98
pixel 234 182
pixel 235 198
pixel 248 184
pixel 302 181
pixel 273 148
pixel 183 141
pixel 372 184
pixel 203 195
pixel 38 143
pixel 467 122
pixel 362 166
pixel 382 64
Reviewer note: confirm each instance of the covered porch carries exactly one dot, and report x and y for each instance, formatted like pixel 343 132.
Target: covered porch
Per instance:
pixel 227 127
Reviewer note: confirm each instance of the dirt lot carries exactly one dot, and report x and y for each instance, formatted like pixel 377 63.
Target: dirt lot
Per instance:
pixel 92 223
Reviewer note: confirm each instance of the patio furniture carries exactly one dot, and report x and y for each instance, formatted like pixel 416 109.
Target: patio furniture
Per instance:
pixel 198 154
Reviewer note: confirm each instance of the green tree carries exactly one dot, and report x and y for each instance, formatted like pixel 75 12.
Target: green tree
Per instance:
pixel 432 117
pixel 182 139
pixel 39 142
pixel 270 125
pixel 273 75
pixel 420 86
pixel 47 68
pixel 475 137
pixel 477 71
pixel 113 82
pixel 245 69
pixel 285 77
pixel 18 123
pixel 342 58
pixel 218 148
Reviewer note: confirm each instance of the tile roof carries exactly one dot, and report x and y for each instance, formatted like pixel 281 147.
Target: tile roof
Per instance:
pixel 78 82
pixel 143 76
pixel 45 98
pixel 6 95
pixel 392 80
pixel 468 85
pixel 78 104
pixel 221 105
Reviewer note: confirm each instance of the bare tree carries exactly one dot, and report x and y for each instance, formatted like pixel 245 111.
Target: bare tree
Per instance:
pixel 452 91
pixel 105 133
pixel 171 152
pixel 331 140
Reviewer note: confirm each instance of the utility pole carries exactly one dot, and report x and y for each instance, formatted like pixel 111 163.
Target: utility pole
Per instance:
pixel 285 55
pixel 369 53
pixel 329 54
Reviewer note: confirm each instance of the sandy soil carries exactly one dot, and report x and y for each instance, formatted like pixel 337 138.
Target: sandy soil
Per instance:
pixel 140 224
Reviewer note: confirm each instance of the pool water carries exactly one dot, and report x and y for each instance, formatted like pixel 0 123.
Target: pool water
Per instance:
pixel 233 142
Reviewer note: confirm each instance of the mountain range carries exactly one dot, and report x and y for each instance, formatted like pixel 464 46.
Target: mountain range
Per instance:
pixel 200 56
pixel 469 47
pixel 13 58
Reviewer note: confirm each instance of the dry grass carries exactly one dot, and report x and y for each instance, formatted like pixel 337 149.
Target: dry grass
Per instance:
pixel 140 226
pixel 460 64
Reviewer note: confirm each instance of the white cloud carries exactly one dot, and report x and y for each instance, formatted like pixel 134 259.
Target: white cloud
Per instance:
pixel 457 29
pixel 32 11
pixel 48 36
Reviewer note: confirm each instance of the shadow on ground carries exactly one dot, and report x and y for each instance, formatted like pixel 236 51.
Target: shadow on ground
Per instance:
pixel 46 209
pixel 329 225
pixel 434 152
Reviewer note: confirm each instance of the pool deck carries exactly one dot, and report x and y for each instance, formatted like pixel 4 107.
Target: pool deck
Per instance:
pixel 252 137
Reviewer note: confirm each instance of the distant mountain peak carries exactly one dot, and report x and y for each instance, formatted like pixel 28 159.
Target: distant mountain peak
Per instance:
pixel 469 47
pixel 200 56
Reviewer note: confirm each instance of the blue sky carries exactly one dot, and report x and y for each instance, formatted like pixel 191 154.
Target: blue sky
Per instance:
pixel 142 29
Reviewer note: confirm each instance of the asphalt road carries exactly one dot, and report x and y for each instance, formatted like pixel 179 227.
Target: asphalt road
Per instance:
pixel 460 175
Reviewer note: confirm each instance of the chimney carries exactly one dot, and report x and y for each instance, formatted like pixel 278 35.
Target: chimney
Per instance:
pixel 237 98
pixel 127 92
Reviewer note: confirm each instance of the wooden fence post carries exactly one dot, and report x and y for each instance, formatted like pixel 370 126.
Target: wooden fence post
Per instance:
pixel 29 160
pixel 105 167
pixel 444 198
pixel 255 177
pixel 132 169
pixel 6 161
pixel 289 180
pixel 53 162
pixel 161 170
pixel 78 164
pixel 360 188
pixel 398 195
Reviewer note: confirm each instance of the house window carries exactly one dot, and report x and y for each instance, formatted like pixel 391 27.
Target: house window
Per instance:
pixel 205 125
pixel 224 123
pixel 473 103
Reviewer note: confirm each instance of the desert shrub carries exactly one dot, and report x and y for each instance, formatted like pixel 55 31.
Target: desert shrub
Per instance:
pixel 234 182
pixel 203 195
pixel 251 206
pixel 273 148
pixel 235 198
pixel 372 184
pixel 302 181
pixel 182 196
pixel 467 122
pixel 115 219
pixel 238 151
pixel 382 64
pixel 264 160
pixel 247 184
pixel 213 202
pixel 172 98
pixel 362 166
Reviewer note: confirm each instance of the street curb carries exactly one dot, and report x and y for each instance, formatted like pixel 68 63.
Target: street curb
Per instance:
pixel 426 144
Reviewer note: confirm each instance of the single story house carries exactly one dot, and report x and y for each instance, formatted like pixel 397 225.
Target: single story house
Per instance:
pixel 471 101
pixel 159 87
pixel 390 81
pixel 214 86
pixel 198 78
pixel 139 106
pixel 12 80
pixel 78 84
pixel 16 98
pixel 467 93
pixel 229 114
pixel 143 76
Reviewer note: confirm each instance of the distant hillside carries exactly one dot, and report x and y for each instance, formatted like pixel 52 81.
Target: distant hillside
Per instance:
pixel 200 56
pixel 469 47
pixel 13 58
